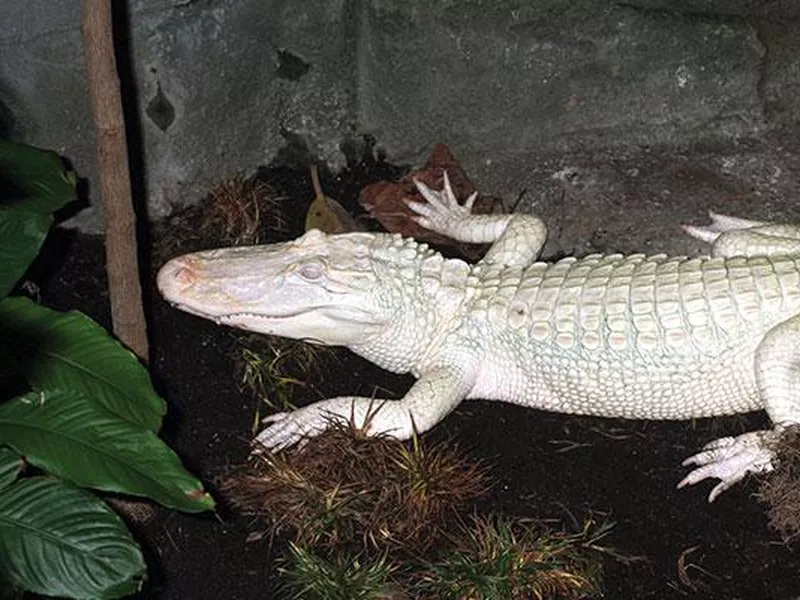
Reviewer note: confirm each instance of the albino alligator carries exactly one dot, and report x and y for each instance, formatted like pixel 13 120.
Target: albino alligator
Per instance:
pixel 644 337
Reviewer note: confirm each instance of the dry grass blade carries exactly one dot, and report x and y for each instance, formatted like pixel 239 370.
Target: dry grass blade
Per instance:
pixel 345 488
pixel 684 566
pixel 236 206
pixel 780 489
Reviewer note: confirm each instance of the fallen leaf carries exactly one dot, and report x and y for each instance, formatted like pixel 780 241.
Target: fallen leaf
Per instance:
pixel 385 201
pixel 326 214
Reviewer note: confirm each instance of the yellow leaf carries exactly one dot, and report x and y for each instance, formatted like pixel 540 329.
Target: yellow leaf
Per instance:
pixel 326 214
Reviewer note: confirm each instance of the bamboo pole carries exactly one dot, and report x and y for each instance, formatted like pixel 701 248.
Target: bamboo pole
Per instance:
pixel 125 292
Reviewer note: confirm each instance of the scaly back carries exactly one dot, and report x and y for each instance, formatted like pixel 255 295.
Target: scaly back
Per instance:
pixel 677 304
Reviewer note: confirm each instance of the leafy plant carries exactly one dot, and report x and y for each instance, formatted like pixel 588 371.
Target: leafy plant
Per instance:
pixel 79 408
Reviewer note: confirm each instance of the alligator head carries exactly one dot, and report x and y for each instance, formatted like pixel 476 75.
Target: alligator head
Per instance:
pixel 334 289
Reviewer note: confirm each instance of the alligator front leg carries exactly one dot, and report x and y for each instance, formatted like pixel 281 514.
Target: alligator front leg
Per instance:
pixel 516 239
pixel 429 400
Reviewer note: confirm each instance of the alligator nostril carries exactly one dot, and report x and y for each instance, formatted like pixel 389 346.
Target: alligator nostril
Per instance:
pixel 184 274
pixel 176 273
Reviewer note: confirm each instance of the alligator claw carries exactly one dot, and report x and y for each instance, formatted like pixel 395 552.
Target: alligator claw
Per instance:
pixel 719 224
pixel 729 459
pixel 442 212
pixel 290 428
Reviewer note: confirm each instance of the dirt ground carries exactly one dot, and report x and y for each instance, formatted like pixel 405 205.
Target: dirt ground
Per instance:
pixel 547 465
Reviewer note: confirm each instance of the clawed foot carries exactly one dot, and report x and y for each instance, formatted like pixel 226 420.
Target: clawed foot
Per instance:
pixel 441 213
pixel 370 415
pixel 729 459
pixel 719 224
pixel 290 428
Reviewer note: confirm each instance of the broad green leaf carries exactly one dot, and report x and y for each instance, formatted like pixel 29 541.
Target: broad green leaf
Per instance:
pixel 68 435
pixel 21 236
pixel 33 179
pixel 34 183
pixel 69 351
pixel 10 466
pixel 58 540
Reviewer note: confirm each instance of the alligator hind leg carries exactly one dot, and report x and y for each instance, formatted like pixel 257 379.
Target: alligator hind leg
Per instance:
pixel 732 236
pixel 719 224
pixel 777 371
pixel 729 459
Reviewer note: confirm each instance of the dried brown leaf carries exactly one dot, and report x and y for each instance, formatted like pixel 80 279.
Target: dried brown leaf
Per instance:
pixel 385 201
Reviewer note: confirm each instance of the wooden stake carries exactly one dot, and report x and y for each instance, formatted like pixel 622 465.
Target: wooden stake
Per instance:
pixel 125 291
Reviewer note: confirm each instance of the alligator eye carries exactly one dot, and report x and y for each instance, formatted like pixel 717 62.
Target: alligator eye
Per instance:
pixel 311 271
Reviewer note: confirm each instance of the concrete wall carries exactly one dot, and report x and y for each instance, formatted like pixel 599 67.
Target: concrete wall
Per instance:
pixel 219 85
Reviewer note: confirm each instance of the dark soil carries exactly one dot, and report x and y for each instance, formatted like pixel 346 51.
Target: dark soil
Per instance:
pixel 550 466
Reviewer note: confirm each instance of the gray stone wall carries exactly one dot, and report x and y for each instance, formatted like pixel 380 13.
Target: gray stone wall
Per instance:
pixel 219 85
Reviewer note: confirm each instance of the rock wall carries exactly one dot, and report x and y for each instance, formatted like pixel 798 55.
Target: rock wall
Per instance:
pixel 218 87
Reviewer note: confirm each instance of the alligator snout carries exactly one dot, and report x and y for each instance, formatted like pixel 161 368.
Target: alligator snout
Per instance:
pixel 176 275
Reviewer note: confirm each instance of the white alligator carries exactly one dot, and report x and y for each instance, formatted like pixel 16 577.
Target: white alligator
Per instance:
pixel 641 337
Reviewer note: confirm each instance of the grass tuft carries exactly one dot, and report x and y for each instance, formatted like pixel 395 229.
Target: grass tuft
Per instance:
pixel 236 206
pixel 273 368
pixel 779 490
pixel 237 211
pixel 371 514
pixel 499 558
pixel 344 489
pixel 342 576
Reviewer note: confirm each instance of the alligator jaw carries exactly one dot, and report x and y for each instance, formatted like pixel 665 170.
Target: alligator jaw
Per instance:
pixel 210 285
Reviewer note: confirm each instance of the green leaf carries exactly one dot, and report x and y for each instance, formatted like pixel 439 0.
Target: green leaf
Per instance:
pixel 69 351
pixel 33 184
pixel 10 466
pixel 33 179
pixel 21 236
pixel 58 540
pixel 67 435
